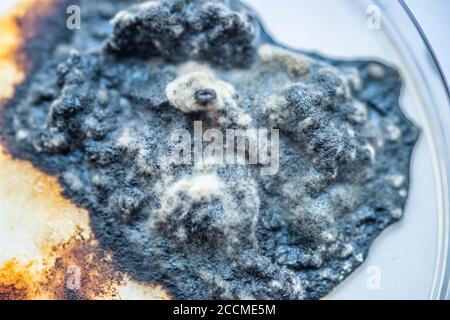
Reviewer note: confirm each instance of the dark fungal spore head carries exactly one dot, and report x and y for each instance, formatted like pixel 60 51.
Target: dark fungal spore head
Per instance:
pixel 205 96
pixel 102 123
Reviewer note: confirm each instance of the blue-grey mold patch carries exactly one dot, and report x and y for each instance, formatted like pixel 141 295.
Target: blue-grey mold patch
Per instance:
pixel 100 113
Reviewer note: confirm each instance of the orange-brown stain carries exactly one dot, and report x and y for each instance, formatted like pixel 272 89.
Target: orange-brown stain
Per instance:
pixel 16 281
pixel 77 269
pixel 9 45
pixel 47 249
pixel 13 63
pixel 82 270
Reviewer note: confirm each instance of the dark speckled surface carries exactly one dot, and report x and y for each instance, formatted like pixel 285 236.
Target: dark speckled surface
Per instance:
pixel 100 119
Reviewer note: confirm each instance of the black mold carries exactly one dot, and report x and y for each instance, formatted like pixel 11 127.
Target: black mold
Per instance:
pixel 100 121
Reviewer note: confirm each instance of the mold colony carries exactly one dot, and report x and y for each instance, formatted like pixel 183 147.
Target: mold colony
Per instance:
pixel 101 121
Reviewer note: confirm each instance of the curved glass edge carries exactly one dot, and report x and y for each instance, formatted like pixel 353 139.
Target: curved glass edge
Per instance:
pixel 407 35
pixel 427 43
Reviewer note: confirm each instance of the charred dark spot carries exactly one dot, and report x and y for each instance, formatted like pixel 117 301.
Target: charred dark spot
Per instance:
pixel 205 96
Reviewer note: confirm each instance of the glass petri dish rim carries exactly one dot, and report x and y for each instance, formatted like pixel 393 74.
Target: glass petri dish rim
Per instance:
pixel 407 35
pixel 427 44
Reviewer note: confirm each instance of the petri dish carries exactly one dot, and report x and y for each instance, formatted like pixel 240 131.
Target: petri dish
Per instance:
pixel 410 259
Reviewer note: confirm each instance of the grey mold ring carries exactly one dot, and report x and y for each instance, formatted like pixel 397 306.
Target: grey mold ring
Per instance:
pixel 100 117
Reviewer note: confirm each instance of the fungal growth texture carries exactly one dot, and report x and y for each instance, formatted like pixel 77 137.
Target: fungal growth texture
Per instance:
pixel 186 30
pixel 101 116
